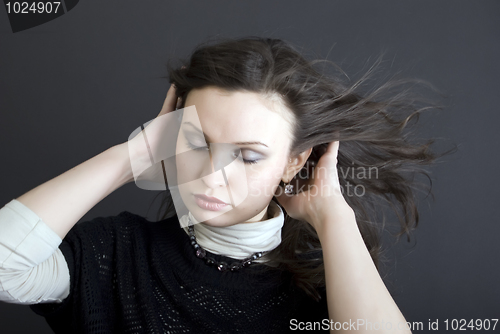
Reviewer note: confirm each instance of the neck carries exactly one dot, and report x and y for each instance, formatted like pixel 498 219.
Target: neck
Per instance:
pixel 263 215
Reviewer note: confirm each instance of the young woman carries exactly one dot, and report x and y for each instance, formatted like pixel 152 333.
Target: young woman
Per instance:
pixel 251 257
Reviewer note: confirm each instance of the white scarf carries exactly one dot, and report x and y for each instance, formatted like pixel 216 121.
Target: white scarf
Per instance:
pixel 240 241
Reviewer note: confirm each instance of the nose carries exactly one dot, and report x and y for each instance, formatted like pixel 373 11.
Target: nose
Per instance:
pixel 213 171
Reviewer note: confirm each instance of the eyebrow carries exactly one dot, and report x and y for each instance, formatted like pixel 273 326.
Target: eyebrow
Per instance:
pixel 238 143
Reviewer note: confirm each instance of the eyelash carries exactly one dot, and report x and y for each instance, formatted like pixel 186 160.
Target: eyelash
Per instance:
pixel 200 148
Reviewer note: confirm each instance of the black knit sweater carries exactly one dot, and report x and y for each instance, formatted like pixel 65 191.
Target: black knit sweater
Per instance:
pixel 130 275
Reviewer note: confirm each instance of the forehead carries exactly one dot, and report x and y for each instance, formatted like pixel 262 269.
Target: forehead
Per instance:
pixel 238 116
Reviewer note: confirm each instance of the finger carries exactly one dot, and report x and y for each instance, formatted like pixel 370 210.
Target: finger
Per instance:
pixel 329 158
pixel 332 154
pixel 170 101
pixel 333 149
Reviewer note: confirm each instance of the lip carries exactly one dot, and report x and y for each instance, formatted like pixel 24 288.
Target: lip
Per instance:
pixel 209 199
pixel 209 203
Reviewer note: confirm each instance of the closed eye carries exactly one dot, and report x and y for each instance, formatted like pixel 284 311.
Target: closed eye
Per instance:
pixel 246 161
pixel 235 155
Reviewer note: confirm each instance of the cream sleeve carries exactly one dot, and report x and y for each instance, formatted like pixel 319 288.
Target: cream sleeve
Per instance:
pixel 32 268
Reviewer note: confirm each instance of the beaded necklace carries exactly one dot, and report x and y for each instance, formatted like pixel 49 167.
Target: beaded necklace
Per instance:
pixel 220 265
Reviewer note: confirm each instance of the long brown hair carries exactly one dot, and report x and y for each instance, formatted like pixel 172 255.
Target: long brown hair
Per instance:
pixel 374 129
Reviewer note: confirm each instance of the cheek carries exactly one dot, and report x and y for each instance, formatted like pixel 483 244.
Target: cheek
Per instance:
pixel 184 174
pixel 263 183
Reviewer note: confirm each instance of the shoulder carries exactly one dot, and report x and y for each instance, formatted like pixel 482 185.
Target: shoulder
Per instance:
pixel 124 227
pixel 98 237
pixel 123 224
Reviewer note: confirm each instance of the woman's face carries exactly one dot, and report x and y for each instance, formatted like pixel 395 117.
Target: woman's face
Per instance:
pixel 246 134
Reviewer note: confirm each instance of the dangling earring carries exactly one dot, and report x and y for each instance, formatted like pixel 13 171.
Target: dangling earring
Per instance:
pixel 289 188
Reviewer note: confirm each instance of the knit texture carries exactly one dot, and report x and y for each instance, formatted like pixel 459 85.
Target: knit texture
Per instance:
pixel 130 275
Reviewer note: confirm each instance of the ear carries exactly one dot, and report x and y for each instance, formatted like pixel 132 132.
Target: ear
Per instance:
pixel 295 164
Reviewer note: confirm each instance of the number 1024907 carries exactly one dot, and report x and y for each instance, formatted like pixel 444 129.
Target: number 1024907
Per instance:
pixel 472 324
pixel 40 7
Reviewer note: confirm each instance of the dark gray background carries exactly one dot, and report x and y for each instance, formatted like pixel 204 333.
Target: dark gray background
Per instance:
pixel 75 86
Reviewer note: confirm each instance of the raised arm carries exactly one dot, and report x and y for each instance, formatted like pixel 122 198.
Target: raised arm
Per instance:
pixel 63 200
pixel 358 300
pixel 32 226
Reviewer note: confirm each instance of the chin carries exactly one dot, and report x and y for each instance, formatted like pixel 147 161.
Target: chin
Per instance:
pixel 211 218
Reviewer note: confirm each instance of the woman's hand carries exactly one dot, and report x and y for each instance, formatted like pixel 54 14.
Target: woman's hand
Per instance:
pixel 323 197
pixel 144 147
